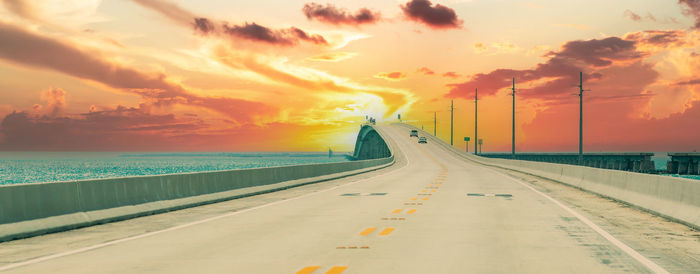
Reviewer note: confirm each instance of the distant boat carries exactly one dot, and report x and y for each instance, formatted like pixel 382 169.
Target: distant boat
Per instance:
pixel 330 152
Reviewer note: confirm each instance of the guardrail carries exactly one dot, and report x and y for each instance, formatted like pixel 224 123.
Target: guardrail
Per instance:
pixel 627 161
pixel 33 209
pixel 674 198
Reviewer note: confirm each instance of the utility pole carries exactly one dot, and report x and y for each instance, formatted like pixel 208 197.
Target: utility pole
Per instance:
pixel 435 124
pixel 476 136
pixel 452 115
pixel 513 139
pixel 580 119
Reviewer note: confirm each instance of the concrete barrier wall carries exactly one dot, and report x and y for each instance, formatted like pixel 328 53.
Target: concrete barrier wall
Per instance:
pixel 674 198
pixel 32 209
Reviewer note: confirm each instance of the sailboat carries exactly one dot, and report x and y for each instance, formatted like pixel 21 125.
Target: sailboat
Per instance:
pixel 330 152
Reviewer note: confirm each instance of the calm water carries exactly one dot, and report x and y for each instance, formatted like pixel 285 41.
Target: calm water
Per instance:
pixel 37 167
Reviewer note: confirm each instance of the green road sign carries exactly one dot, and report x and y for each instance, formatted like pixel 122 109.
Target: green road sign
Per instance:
pixel 466 139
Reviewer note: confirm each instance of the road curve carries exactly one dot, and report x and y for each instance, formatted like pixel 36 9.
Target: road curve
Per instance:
pixel 432 213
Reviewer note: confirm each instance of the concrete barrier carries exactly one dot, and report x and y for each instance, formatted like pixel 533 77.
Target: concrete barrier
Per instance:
pixel 33 209
pixel 677 199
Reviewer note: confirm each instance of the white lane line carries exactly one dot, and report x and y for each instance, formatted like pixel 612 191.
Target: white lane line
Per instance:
pixel 633 253
pixel 114 242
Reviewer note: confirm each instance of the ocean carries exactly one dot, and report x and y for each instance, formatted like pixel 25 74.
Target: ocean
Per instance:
pixel 43 167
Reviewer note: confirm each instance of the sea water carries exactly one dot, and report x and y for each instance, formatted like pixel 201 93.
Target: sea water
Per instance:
pixel 40 167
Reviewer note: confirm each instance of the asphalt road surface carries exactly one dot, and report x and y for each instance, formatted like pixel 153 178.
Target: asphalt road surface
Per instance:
pixel 431 212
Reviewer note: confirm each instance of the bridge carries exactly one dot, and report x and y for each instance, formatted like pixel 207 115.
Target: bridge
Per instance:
pixel 403 207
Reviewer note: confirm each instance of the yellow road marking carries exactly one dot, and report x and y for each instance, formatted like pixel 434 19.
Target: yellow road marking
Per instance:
pixel 386 231
pixel 367 231
pixel 337 270
pixel 397 211
pixel 425 199
pixel 411 211
pixel 308 269
pixel 422 190
pixel 414 198
pixel 433 190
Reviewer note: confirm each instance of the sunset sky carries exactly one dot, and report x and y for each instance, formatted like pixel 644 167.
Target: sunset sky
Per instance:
pixel 288 75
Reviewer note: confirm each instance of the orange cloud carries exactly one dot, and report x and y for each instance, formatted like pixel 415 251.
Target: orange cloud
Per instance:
pixel 332 56
pixel 479 47
pixel 451 74
pixel 55 99
pixel 33 50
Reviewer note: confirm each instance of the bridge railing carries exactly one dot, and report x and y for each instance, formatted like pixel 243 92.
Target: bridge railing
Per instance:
pixel 674 198
pixel 33 209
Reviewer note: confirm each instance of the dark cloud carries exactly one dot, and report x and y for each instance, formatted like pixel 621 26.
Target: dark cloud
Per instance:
pixel 692 8
pixel 29 49
pixel 688 83
pixel 285 37
pixel 599 52
pixel 437 16
pixel 249 31
pixel 559 73
pixel 313 38
pixel 116 129
pixel 426 71
pixel 664 38
pixel 333 15
pixel 203 25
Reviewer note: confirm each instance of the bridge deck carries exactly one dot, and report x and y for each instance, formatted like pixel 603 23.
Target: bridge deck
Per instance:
pixel 430 213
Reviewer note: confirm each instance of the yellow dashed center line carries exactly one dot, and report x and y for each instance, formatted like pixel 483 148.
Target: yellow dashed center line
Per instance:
pixel 336 270
pixel 410 211
pixel 386 231
pixel 367 231
pixel 425 199
pixel 397 211
pixel 414 198
pixel 308 269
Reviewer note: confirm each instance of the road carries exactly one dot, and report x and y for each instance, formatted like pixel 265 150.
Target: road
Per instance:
pixel 429 213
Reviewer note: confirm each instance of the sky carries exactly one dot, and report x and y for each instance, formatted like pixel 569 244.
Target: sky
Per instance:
pixel 288 75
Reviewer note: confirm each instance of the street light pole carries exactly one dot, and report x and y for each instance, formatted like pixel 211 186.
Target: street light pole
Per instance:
pixel 476 136
pixel 452 115
pixel 435 124
pixel 513 131
pixel 580 119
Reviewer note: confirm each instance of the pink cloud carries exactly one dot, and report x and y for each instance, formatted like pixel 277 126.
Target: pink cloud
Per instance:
pixel 426 71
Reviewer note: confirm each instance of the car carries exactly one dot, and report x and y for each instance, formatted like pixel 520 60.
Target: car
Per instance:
pixel 414 133
pixel 422 140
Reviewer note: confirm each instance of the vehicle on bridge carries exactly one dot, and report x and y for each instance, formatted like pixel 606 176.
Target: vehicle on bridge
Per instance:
pixel 414 133
pixel 422 140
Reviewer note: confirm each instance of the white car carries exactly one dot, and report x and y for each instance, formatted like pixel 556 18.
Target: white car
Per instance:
pixel 414 133
pixel 422 140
